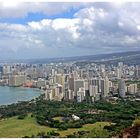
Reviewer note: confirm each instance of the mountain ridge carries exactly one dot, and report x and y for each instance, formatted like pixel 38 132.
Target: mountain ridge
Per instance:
pixel 97 57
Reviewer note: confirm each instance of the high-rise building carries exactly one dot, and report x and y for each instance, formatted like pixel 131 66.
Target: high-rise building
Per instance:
pixel 49 95
pixel 53 72
pixel 86 85
pixel 90 73
pixel 58 89
pixel 120 70
pixel 93 90
pixel 60 79
pixel 120 64
pixel 1 69
pixel 69 95
pixel 75 75
pixel 132 88
pixel 71 83
pixel 119 73
pixel 96 82
pixel 80 94
pixel 137 72
pixel 41 83
pixel 102 70
pixel 17 80
pixel 122 88
pixel 78 84
pixel 6 69
pixel 102 84
pixel 106 89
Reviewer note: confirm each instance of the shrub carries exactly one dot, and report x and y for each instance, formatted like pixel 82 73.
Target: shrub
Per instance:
pixel 21 117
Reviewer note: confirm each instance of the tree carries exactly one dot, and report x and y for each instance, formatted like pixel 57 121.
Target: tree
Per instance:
pixel 21 117
pixel 62 127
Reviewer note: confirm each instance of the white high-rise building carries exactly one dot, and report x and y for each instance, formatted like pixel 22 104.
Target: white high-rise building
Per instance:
pixel 41 83
pixel 58 89
pixel 119 73
pixel 6 69
pixel 93 90
pixel 120 64
pixel 53 72
pixel 80 94
pixel 106 89
pixel 96 82
pixel 75 75
pixel 102 84
pixel 49 95
pixel 69 95
pixel 132 88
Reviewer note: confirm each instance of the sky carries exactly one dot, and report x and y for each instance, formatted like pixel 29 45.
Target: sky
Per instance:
pixel 58 29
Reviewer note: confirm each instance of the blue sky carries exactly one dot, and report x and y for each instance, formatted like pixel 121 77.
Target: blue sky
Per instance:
pixel 37 16
pixel 45 30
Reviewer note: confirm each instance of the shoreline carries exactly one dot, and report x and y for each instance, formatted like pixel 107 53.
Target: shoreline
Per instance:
pixel 8 99
pixel 21 87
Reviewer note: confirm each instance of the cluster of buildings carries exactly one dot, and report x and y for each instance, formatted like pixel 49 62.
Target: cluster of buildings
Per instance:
pixel 73 81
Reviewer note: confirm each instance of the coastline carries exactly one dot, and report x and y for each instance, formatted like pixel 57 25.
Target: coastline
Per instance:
pixel 10 95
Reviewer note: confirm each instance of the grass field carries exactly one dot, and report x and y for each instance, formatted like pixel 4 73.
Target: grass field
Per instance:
pixel 96 130
pixel 15 128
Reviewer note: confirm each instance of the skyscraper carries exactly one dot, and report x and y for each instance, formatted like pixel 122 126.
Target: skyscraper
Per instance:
pixel 80 94
pixel 120 70
pixel 137 72
pixel 96 82
pixel 71 83
pixel 121 87
pixel 78 84
pixel 93 90
pixel 132 88
pixel 17 80
pixel 106 89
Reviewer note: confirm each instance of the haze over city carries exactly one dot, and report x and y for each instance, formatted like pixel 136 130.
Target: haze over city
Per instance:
pixel 47 30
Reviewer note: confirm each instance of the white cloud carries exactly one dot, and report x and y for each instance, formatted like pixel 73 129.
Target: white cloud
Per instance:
pixel 21 9
pixel 35 25
pixel 94 29
pixel 10 4
pixel 138 27
pixel 62 23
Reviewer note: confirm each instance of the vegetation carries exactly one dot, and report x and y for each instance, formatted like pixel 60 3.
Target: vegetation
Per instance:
pixel 57 116
pixel 132 131
pixel 22 116
pixel 13 127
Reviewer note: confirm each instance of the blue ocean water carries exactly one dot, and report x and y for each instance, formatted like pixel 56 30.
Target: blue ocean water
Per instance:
pixel 10 95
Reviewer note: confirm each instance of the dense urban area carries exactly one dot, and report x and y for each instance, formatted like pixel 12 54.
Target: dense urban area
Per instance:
pixel 78 99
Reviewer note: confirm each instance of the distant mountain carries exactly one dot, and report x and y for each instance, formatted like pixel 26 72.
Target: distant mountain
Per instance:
pixel 99 57
pixel 133 58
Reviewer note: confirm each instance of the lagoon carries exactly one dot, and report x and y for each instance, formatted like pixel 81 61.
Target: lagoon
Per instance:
pixel 9 95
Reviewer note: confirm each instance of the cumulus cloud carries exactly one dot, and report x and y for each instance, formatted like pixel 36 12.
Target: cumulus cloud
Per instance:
pixel 22 9
pixel 94 28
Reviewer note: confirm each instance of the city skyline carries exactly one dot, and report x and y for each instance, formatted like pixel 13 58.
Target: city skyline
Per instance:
pixel 47 30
